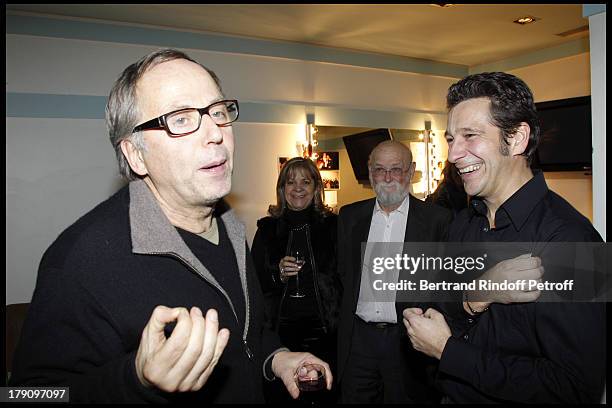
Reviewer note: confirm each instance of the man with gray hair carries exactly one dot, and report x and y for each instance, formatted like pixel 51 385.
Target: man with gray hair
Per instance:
pixel 376 363
pixel 152 296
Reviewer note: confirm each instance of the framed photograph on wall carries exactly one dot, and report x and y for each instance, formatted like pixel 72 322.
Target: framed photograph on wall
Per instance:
pixel 280 163
pixel 331 179
pixel 328 161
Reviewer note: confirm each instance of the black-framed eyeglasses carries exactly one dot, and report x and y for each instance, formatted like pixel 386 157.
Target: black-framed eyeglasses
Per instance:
pixel 183 122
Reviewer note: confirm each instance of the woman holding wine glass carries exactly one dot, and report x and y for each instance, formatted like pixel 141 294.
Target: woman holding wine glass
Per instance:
pixel 294 250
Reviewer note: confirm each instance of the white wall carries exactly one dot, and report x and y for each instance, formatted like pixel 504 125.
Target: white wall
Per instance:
pixel 258 147
pixel 597 27
pixel 575 187
pixel 562 78
pixel 56 169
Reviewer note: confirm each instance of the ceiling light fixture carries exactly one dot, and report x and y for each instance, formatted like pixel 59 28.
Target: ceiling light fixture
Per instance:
pixel 442 5
pixel 526 20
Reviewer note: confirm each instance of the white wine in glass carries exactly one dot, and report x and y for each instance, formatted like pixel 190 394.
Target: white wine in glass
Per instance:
pixel 299 259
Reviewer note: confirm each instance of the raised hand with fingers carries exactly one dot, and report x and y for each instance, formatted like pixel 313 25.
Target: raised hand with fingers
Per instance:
pixel 185 360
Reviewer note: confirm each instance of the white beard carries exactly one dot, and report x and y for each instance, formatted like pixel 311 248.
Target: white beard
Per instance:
pixel 389 199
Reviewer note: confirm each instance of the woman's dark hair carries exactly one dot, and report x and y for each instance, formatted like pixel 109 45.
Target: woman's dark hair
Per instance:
pixel 288 171
pixel 511 104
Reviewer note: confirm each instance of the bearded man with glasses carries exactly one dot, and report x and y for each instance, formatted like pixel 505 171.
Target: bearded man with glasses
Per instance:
pixel 376 363
pixel 152 296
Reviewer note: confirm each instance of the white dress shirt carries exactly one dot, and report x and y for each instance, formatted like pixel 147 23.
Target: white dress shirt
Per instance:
pixel 387 233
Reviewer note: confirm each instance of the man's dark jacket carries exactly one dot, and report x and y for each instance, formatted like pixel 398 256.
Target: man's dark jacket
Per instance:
pixel 97 286
pixel 426 223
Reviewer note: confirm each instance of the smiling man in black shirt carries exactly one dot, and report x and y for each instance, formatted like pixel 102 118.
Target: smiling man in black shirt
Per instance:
pixel 535 352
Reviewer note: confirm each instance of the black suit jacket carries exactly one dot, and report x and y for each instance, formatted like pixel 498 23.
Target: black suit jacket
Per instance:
pixel 426 223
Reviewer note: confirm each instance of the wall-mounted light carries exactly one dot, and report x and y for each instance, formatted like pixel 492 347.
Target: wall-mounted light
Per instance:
pixel 423 152
pixel 311 141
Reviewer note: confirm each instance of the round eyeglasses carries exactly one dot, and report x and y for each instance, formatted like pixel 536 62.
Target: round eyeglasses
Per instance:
pixel 382 172
pixel 183 122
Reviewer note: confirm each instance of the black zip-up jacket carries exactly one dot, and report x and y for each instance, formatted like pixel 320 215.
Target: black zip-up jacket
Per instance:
pixel 97 286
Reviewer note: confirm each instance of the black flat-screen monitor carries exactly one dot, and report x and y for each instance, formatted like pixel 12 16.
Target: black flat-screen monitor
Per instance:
pixel 565 138
pixel 358 148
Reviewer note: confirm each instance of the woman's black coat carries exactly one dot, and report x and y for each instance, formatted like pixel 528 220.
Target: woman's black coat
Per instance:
pixel 269 246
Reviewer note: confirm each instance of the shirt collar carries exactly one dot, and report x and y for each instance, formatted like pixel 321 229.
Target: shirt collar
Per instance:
pixel 519 206
pixel 402 209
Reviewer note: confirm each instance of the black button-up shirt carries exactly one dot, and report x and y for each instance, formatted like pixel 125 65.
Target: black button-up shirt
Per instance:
pixel 526 352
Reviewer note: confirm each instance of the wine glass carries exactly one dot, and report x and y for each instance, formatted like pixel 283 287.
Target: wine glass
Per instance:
pixel 310 377
pixel 299 259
